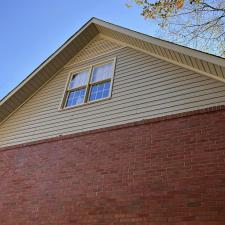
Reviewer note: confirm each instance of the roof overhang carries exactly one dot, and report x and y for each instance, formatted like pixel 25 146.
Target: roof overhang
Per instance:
pixel 197 61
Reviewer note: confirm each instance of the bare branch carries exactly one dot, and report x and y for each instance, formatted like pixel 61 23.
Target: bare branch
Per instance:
pixel 198 23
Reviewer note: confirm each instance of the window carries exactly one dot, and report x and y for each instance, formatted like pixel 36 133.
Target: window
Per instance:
pixel 89 85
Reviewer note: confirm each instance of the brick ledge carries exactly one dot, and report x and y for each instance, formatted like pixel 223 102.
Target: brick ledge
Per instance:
pixel 117 127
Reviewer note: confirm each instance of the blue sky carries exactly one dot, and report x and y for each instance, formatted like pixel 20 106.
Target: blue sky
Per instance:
pixel 32 30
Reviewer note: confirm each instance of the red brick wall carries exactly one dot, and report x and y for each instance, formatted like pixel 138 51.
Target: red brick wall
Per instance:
pixel 164 171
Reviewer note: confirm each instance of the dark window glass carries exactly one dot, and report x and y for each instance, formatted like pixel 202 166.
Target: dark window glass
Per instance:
pixel 99 91
pixel 75 97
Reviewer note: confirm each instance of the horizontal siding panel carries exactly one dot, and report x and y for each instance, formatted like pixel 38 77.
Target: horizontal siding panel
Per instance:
pixel 124 97
pixel 122 51
pixel 123 108
pixel 144 87
pixel 154 68
pixel 147 96
pixel 135 116
pixel 121 89
pixel 96 47
pixel 125 53
pixel 122 120
pixel 65 76
pixel 137 75
pixel 166 69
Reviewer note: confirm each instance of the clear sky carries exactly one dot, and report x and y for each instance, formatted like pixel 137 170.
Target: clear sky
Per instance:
pixel 32 30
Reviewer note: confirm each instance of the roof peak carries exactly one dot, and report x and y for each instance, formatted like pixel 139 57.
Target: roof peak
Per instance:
pixel 200 62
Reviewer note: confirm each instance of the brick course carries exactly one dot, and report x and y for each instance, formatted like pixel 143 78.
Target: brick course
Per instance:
pixel 164 171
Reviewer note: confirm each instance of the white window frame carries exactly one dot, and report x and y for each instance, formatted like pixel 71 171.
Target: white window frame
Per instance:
pixel 88 85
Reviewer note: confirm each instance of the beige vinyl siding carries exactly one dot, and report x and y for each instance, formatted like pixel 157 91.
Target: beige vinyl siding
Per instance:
pixel 97 46
pixel 144 87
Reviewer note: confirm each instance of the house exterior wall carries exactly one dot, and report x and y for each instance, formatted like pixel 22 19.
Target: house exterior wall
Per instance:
pixel 144 87
pixel 99 45
pixel 163 171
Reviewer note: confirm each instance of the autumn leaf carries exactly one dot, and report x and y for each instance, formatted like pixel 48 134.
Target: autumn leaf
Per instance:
pixel 180 4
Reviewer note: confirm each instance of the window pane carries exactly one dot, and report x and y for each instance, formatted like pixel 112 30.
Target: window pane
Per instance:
pixel 75 97
pixel 99 91
pixel 102 72
pixel 79 80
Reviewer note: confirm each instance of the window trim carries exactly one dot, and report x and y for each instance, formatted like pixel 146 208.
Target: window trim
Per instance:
pixel 89 84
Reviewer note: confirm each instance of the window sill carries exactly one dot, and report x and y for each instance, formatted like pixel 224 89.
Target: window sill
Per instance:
pixel 85 104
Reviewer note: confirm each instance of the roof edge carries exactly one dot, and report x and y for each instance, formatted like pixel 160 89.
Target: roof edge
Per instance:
pixel 46 61
pixel 162 43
